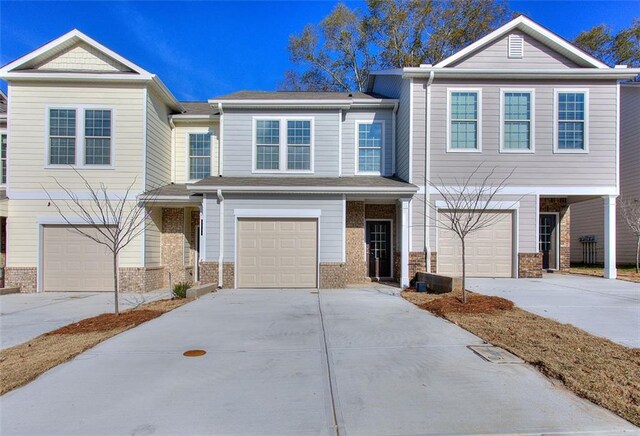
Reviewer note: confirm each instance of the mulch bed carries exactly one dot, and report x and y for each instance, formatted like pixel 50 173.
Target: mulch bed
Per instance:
pixel 595 368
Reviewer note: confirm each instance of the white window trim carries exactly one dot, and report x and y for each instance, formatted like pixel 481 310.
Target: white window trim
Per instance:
pixel 3 131
pixel 556 93
pixel 383 148
pixel 532 121
pixel 80 138
pixel 283 145
pixel 204 131
pixel 479 121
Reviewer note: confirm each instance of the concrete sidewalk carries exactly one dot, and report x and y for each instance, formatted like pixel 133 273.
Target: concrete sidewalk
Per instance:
pixel 26 316
pixel 606 308
pixel 295 362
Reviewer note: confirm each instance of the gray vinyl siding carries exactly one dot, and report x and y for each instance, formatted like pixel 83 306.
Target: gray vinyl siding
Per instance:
pixel 536 55
pixel 594 169
pixel 238 141
pixel 527 212
pixel 587 218
pixel 403 131
pixel 158 157
pixel 419 131
pixel 331 221
pixel 388 86
pixel 349 136
pixel 211 224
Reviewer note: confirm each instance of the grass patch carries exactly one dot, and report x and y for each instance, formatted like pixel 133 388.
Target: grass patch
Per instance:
pixel 22 363
pixel 624 273
pixel 597 369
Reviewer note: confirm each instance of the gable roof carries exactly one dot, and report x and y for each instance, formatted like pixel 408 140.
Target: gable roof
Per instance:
pixel 536 31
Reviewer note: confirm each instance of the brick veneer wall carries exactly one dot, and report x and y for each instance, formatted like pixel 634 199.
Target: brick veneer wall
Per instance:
pixel 560 205
pixel 24 278
pixel 529 265
pixel 172 243
pixel 356 265
pixel 333 275
pixel 209 274
pixel 140 279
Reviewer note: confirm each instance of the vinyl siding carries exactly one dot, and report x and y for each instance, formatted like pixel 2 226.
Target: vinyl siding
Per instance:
pixel 153 239
pixel 403 131
pixel 388 86
pixel 419 129
pixel 587 218
pixel 349 136
pixel 83 57
pixel 238 141
pixel 331 222
pixel 536 55
pixel 181 135
pixel 23 234
pixel 594 169
pixel 29 136
pixel 158 159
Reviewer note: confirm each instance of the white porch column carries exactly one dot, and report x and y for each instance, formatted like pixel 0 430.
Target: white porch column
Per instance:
pixel 404 243
pixel 610 237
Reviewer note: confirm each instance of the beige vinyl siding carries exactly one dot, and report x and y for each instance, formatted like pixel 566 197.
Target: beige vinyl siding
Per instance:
pixel 181 135
pixel 158 142
pixel 536 55
pixel 28 105
pixel 238 141
pixel 153 238
pixel 349 138
pixel 594 169
pixel 24 233
pixel 82 57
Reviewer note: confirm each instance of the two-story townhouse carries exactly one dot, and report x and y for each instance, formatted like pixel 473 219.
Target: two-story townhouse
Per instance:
pixel 519 100
pixel 587 227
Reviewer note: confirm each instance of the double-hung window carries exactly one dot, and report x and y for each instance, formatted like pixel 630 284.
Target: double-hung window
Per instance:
pixel 199 156
pixel 517 121
pixel 62 136
pixel 268 144
pixel 464 120
pixel 370 146
pixel 3 158
pixel 97 137
pixel 298 144
pixel 571 121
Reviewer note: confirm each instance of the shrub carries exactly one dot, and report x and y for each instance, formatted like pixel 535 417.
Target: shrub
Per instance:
pixel 180 289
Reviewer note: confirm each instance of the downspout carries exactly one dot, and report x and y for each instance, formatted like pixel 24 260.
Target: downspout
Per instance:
pixel 221 234
pixel 173 149
pixel 393 138
pixel 427 176
pixel 220 138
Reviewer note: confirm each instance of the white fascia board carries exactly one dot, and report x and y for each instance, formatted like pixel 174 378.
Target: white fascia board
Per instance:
pixel 326 104
pixel 78 77
pixel 524 73
pixel 492 205
pixel 303 190
pixel 538 190
pixel 277 213
pixel 79 36
pixel 525 24
pixel 166 94
pixel 194 117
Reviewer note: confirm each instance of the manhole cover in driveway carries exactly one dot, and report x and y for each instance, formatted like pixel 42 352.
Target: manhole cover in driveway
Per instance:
pixel 494 354
pixel 194 353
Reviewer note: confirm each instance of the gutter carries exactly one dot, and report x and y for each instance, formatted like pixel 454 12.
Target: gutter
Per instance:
pixel 305 190
pixel 221 233
pixel 427 175
pixel 321 104
pixel 507 73
pixel 173 149
pixel 220 140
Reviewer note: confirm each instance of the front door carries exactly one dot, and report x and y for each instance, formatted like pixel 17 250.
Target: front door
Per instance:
pixel 548 240
pixel 379 248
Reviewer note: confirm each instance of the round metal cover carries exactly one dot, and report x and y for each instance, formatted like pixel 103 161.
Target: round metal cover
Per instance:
pixel 194 353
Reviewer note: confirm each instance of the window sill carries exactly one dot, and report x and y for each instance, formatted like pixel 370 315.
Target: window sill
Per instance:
pixel 79 167
pixel 569 151
pixel 517 151
pixel 463 150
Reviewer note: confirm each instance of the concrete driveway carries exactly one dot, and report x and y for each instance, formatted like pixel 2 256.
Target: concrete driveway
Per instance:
pixel 25 316
pixel 295 362
pixel 606 308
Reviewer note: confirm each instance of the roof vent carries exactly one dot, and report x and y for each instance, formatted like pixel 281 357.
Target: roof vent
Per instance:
pixel 516 47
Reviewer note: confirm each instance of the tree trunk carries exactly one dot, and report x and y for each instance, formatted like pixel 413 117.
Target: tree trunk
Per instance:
pixel 464 274
pixel 115 282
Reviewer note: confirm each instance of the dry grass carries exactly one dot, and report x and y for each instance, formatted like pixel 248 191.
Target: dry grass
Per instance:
pixel 597 369
pixel 627 273
pixel 22 363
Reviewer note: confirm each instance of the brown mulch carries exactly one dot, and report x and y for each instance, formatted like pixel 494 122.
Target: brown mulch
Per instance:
pixel 22 363
pixel 595 368
pixel 474 304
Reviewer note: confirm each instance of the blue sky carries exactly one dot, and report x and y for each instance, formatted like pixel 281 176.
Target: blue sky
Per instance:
pixel 203 49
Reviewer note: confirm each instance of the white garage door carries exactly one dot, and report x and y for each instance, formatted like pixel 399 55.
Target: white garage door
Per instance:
pixel 73 262
pixel 489 251
pixel 277 253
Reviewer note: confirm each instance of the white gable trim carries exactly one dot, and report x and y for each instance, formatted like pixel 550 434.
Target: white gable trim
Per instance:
pixel 522 23
pixel 75 34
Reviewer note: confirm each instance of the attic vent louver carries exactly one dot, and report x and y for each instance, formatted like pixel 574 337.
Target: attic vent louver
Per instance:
pixel 516 47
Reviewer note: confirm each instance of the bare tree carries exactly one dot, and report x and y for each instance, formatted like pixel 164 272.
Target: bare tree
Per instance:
pixel 466 209
pixel 107 219
pixel 630 208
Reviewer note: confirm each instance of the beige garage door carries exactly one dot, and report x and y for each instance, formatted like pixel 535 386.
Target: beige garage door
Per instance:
pixel 277 253
pixel 73 262
pixel 489 251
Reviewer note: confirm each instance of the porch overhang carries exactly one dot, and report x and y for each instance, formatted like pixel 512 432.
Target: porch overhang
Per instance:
pixel 172 195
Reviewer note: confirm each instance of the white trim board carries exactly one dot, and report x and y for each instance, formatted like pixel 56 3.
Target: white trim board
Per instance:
pixel 540 190
pixel 277 213
pixel 491 205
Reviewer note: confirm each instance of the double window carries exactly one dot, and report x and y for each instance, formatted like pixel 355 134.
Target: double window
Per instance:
pixel 370 141
pixel 80 135
pixel 517 121
pixel 464 120
pixel 199 155
pixel 571 121
pixel 283 145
